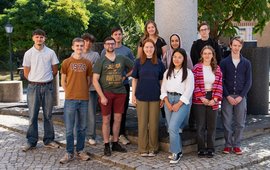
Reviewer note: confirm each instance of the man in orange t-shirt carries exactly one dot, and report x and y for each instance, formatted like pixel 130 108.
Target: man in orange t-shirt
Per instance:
pixel 75 79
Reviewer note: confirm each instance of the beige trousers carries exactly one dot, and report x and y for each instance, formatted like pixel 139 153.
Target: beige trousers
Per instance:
pixel 148 126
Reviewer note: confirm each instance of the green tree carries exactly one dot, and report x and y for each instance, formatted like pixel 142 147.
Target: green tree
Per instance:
pixel 132 15
pixel 103 18
pixel 221 14
pixel 63 21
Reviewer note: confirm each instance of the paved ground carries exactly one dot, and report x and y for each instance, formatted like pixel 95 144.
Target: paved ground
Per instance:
pixel 257 153
pixel 11 156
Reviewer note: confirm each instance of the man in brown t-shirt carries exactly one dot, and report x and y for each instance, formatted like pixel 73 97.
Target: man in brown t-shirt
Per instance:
pixel 75 79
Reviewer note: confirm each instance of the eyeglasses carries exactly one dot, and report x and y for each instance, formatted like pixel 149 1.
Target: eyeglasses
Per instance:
pixel 201 30
pixel 110 44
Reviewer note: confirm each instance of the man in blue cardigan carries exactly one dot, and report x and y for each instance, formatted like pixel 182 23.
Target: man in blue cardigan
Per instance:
pixel 237 81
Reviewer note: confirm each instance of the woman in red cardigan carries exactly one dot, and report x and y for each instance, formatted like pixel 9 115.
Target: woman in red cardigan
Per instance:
pixel 206 97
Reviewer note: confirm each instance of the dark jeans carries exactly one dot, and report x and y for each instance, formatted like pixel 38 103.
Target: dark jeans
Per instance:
pixel 122 130
pixel 40 96
pixel 206 119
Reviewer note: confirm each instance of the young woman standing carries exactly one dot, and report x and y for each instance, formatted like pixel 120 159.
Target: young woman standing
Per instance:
pixel 151 32
pixel 206 97
pixel 175 42
pixel 176 91
pixel 147 76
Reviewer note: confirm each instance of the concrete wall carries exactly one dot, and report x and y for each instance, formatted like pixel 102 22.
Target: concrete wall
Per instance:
pixel 177 16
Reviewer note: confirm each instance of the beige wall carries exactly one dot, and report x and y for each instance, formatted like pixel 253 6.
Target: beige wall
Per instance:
pixel 264 39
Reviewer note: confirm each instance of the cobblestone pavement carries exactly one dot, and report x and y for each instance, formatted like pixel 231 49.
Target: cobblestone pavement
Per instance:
pixel 256 153
pixel 11 156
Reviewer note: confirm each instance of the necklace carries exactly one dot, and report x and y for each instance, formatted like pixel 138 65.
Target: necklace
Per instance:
pixel 174 74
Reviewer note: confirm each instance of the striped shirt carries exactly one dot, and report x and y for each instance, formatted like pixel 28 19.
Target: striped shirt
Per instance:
pixel 199 90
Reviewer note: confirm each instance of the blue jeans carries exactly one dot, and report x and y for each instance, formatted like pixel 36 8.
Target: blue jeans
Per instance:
pixel 91 116
pixel 40 95
pixel 233 119
pixel 175 121
pixel 78 109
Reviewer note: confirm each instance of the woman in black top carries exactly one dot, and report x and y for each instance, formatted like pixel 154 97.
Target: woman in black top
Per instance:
pixel 151 32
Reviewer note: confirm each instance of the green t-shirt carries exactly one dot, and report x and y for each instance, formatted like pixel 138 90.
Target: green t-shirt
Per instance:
pixel 112 72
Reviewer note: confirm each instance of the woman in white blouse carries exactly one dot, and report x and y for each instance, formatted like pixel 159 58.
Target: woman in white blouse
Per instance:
pixel 176 91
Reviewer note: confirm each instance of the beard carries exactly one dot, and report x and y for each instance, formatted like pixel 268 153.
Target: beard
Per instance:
pixel 110 50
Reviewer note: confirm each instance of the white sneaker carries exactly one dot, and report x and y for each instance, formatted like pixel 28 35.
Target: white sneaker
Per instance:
pixel 92 142
pixel 123 140
pixel 151 154
pixel 176 158
pixel 144 154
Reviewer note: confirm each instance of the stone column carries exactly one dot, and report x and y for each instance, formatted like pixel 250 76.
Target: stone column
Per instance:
pixel 177 16
pixel 258 96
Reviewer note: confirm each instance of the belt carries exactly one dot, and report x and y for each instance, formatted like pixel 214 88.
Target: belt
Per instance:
pixel 40 83
pixel 174 93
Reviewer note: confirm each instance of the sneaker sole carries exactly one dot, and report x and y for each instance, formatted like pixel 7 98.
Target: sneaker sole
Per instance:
pixel 238 153
pixel 31 148
pixel 175 162
pixel 51 147
pixel 144 155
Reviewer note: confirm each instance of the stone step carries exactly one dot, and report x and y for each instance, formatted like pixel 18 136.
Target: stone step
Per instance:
pixel 256 125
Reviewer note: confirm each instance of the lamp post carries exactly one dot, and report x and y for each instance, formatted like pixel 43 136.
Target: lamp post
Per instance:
pixel 9 29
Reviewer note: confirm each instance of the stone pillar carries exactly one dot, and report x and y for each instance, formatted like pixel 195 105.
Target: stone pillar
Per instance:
pixel 11 91
pixel 177 16
pixel 56 100
pixel 258 96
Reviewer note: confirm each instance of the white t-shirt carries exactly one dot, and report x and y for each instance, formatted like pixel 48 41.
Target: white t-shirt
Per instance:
pixel 208 77
pixel 236 62
pixel 175 84
pixel 40 63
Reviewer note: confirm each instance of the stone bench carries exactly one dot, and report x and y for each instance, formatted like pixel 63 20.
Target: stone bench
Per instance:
pixel 11 91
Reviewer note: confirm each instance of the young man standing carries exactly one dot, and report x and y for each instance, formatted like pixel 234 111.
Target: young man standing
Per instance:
pixel 40 66
pixel 120 49
pixel 92 56
pixel 237 81
pixel 75 80
pixel 197 46
pixel 108 77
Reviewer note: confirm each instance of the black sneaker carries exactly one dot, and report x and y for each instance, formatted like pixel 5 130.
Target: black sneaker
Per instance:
pixel 117 147
pixel 176 158
pixel 210 154
pixel 107 150
pixel 201 154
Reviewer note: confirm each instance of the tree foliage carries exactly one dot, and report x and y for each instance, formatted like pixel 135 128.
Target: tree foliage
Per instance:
pixel 61 19
pixel 64 20
pixel 221 14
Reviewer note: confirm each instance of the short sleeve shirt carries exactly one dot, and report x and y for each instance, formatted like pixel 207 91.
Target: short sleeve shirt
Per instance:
pixel 77 71
pixel 111 73
pixel 40 63
pixel 149 76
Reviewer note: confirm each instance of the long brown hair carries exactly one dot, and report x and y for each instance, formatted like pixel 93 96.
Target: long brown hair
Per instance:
pixel 154 57
pixel 146 34
pixel 213 63
pixel 184 64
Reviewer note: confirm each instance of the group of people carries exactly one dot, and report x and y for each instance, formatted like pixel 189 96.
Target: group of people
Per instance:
pixel 164 80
